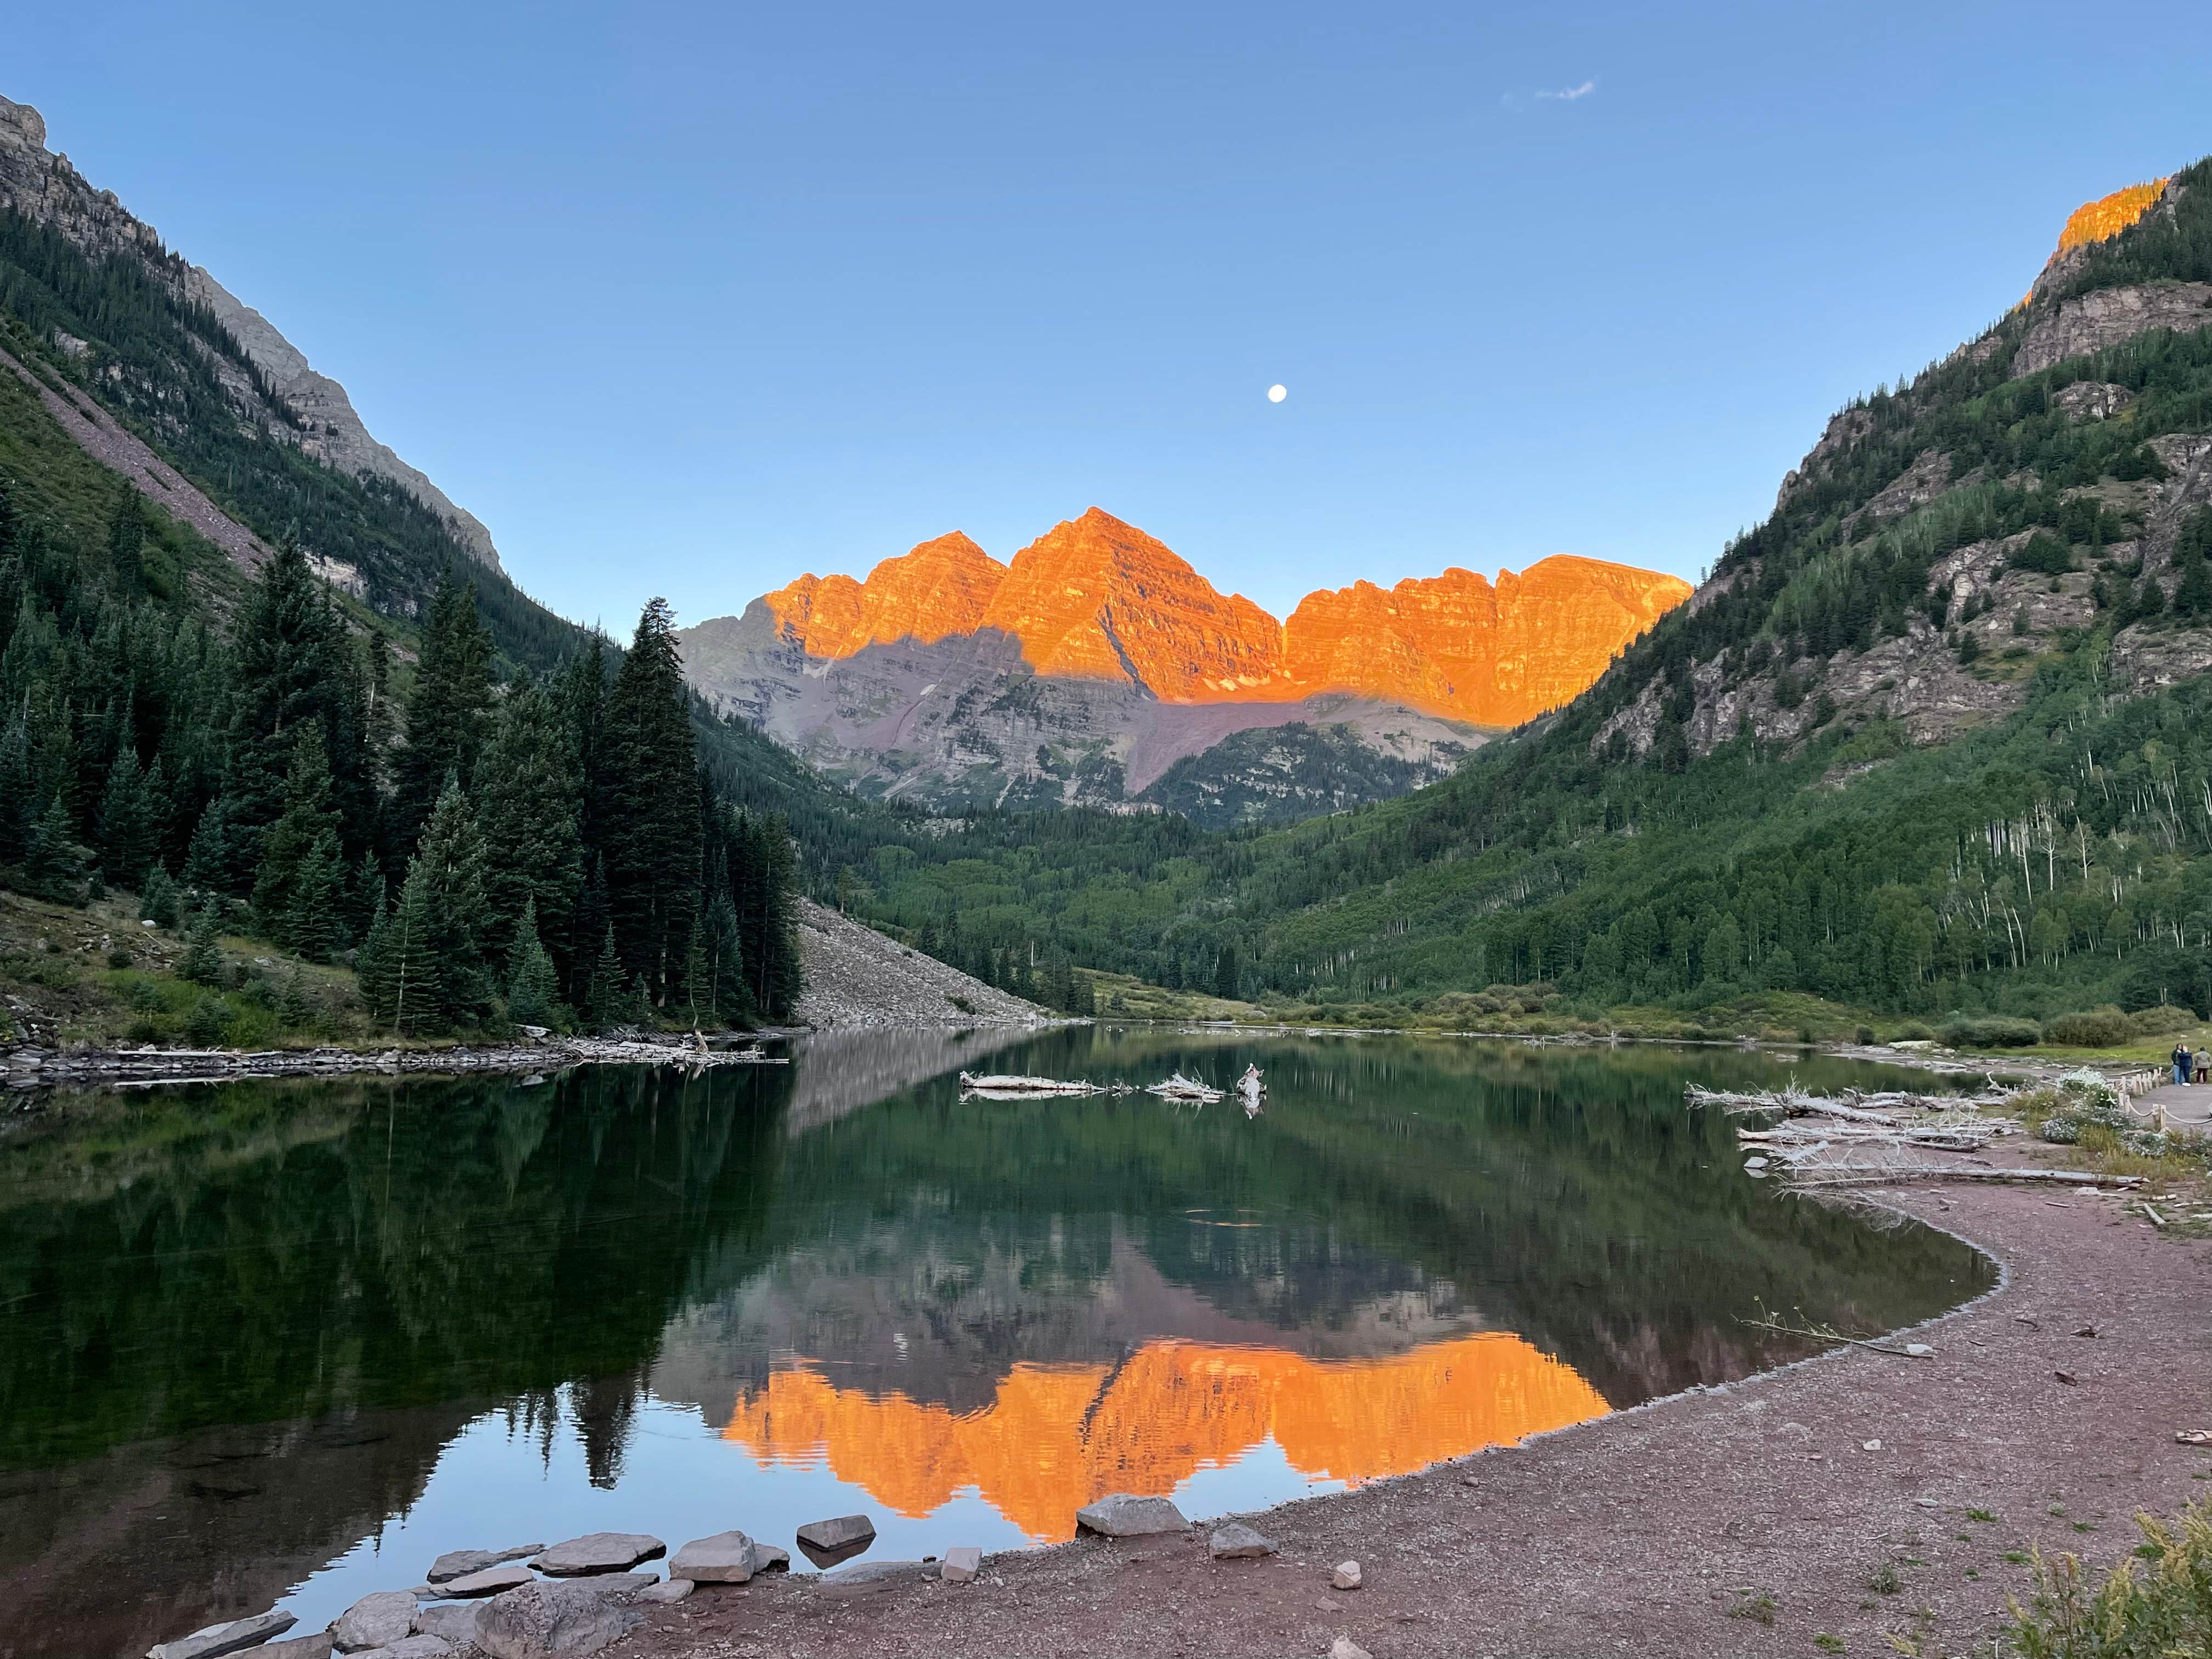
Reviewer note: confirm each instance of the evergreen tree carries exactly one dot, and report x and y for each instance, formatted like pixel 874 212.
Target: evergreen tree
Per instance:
pixel 650 834
pixel 201 962
pixel 307 829
pixel 376 963
pixel 447 711
pixel 53 863
pixel 528 800
pixel 533 993
pixel 126 536
pixel 157 898
pixel 1226 974
pixel 607 989
pixel 130 820
pixel 436 959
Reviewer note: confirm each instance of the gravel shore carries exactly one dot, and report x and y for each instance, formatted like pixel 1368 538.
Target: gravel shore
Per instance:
pixel 1678 1527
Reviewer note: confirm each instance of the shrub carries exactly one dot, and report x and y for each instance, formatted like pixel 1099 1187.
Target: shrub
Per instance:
pixel 2100 1028
pixel 2159 1021
pixel 2084 1097
pixel 2044 553
pixel 1990 1031
pixel 210 1019
pixel 2158 1602
pixel 1914 1031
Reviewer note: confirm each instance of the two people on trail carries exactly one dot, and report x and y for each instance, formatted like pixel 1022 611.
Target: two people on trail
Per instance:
pixel 2184 1063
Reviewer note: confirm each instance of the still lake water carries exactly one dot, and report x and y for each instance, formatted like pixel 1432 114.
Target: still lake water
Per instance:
pixel 285 1342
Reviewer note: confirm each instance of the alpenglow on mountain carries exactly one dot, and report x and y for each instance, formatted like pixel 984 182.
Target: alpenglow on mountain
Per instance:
pixel 1097 667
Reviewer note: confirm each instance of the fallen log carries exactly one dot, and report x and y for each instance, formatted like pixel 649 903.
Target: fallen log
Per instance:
pixel 1866 1175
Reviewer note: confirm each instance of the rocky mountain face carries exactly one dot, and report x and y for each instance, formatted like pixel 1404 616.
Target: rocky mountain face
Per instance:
pixel 1942 541
pixel 1098 667
pixel 269 382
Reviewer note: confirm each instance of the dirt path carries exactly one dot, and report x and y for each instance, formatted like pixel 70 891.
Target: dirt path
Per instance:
pixel 1641 1531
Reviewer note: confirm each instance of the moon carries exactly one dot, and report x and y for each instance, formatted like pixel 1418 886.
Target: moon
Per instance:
pixel 1276 393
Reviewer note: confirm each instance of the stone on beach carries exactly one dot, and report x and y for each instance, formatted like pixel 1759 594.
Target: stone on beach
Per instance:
pixel 232 1636
pixel 317 1646
pixel 1238 1542
pixel 411 1647
pixel 828 1542
pixel 375 1621
pixel 458 1563
pixel 598 1552
pixel 770 1557
pixel 539 1621
pixel 726 1558
pixel 962 1563
pixel 455 1621
pixel 667 1591
pixel 1344 1648
pixel 1347 1576
pixel 1124 1514
pixel 491 1581
pixel 869 1576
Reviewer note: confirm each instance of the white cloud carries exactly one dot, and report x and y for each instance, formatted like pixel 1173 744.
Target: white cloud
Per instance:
pixel 1571 92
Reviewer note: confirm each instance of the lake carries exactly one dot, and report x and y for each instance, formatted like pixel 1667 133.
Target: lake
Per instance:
pixel 287 1341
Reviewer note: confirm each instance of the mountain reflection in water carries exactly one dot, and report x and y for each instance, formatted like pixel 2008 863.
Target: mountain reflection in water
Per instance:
pixel 1056 1437
pixel 287 1341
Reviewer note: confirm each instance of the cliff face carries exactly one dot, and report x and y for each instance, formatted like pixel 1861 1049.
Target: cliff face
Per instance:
pixel 1099 668
pixel 317 416
pixel 1454 645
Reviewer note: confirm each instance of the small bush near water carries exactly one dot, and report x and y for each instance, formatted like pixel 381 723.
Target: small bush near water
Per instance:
pixel 2100 1028
pixel 2149 1607
pixel 1990 1031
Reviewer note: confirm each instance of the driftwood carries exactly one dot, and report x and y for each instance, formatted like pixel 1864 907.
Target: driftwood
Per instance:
pixel 1179 1087
pixel 1002 1087
pixel 1876 1175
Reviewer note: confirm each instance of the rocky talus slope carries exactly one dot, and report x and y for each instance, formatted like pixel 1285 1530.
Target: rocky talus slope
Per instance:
pixel 1098 660
pixel 317 416
pixel 856 977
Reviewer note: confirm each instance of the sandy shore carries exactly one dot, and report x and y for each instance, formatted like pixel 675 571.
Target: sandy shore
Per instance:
pixel 1653 1530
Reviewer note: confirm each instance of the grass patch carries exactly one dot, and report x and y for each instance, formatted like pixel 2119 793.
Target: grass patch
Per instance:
pixel 2148 1607
pixel 1760 1609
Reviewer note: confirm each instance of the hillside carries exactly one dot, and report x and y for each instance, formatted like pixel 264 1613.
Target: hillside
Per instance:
pixel 1933 737
pixel 1098 662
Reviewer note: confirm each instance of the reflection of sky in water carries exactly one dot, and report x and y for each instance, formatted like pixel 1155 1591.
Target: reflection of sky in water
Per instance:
pixel 681 1480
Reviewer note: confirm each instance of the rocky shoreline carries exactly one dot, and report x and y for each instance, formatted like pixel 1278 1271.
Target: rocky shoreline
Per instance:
pixel 26 1068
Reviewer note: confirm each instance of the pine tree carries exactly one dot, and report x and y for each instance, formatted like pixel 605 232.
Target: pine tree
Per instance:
pixel 437 962
pixel 650 833
pixel 126 536
pixel 607 989
pixel 293 1007
pixel 447 712
pixel 528 800
pixel 53 863
pixel 130 826
pixel 201 962
pixel 533 993
pixel 1227 982
pixel 308 827
pixel 375 963
pixel 157 898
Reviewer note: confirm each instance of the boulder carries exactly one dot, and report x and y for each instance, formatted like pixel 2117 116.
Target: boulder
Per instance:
pixel 540 1620
pixel 962 1563
pixel 232 1636
pixel 1126 1516
pixel 375 1621
pixel 674 1589
pixel 1347 1576
pixel 455 1621
pixel 1238 1542
pixel 770 1557
pixel 411 1647
pixel 317 1646
pixel 871 1576
pixel 828 1542
pixel 726 1558
pixel 458 1563
pixel 491 1581
pixel 598 1552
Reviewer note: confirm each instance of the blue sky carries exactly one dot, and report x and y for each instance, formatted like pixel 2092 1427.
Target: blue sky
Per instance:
pixel 688 299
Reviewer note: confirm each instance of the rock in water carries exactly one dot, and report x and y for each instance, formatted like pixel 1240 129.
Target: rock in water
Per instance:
pixel 1126 1516
pixel 726 1558
pixel 232 1636
pixel 458 1563
pixel 598 1552
pixel 455 1621
pixel 491 1581
pixel 540 1620
pixel 828 1542
pixel 1347 1576
pixel 375 1621
pixel 962 1563
pixel 1238 1542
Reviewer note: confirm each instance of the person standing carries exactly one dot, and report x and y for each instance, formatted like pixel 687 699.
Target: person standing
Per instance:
pixel 2182 1060
pixel 2203 1064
